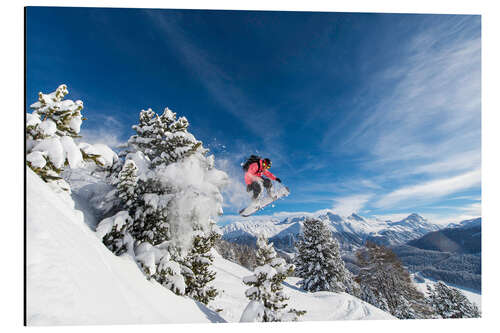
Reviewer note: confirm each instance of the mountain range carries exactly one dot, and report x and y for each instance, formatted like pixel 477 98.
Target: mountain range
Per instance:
pixel 351 231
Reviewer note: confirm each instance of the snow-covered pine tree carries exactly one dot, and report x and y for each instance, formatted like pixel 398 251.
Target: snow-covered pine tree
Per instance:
pixel 179 142
pixel 159 139
pixel 126 188
pixel 164 139
pixel 148 135
pixel 150 212
pixel 50 130
pixel 199 261
pixel 449 302
pixel 266 286
pixel 319 263
pixel 127 182
pixel 386 284
pixel 177 194
pixel 114 232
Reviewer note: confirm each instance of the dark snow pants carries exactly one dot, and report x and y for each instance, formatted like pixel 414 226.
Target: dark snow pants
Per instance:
pixel 256 187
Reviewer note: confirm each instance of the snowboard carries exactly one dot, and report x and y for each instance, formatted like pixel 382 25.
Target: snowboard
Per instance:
pixel 263 201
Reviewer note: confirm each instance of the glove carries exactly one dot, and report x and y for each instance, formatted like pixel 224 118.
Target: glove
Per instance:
pixel 278 180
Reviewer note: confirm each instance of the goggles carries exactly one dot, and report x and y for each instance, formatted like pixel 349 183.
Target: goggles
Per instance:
pixel 267 166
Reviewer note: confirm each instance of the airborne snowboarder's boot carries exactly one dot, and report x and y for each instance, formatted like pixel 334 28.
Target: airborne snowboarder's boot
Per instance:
pixel 255 189
pixel 268 185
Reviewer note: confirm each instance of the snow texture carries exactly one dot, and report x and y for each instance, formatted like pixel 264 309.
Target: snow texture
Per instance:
pixel 54 150
pixel 73 154
pixel 118 220
pixel 32 119
pixel 106 156
pixel 37 159
pixel 253 312
pixel 48 127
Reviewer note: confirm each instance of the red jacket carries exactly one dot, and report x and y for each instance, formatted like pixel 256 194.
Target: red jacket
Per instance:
pixel 256 171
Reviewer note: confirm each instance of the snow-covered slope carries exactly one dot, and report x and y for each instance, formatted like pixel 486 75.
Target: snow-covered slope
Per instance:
pixel 351 231
pixel 320 306
pixel 72 278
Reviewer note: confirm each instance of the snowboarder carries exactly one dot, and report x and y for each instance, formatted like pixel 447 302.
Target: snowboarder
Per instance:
pixel 255 168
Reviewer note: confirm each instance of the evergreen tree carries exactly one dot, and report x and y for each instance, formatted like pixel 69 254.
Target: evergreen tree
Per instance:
pixel 266 284
pixel 116 236
pixel 164 139
pixel 451 303
pixel 386 284
pixel 149 212
pixel 64 114
pixel 126 191
pixel 50 130
pixel 148 135
pixel 160 139
pixel 127 182
pixel 199 260
pixel 165 211
pixel 169 272
pixel 319 263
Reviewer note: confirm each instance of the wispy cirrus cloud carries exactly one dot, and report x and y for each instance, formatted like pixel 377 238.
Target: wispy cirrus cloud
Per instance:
pixel 430 190
pixel 425 121
pixel 458 162
pixel 427 105
pixel 420 138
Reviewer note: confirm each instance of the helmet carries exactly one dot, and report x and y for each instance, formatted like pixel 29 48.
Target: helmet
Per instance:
pixel 266 163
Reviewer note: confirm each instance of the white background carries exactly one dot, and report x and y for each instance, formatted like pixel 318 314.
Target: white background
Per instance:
pixel 12 165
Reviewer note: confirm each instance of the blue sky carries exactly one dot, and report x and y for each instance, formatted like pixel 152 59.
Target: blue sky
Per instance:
pixel 374 113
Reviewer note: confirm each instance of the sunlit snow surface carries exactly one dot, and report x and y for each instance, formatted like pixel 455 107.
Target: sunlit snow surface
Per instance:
pixel 72 279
